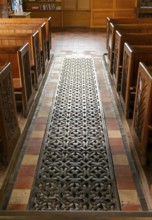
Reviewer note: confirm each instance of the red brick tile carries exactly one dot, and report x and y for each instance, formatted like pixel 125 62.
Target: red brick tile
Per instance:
pixel 34 146
pixel 124 177
pixel 123 170
pixel 34 150
pixel 131 208
pixel 40 126
pixel 28 170
pixel 17 207
pixel 125 183
pixel 44 108
pixel 24 182
pixel 41 120
pixel 112 124
pixel 35 142
pixel 117 146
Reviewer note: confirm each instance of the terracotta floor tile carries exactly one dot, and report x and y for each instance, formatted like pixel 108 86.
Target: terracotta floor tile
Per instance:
pixel 125 183
pixel 114 134
pixel 39 126
pixel 117 146
pixel 120 160
pixel 18 207
pixel 110 114
pixel 29 170
pixel 30 160
pixel 131 208
pixel 24 182
pixel 37 134
pixel 36 142
pixel 112 124
pixel 43 114
pixel 128 197
pixel 33 150
pixel 20 196
pixel 124 177
pixel 42 119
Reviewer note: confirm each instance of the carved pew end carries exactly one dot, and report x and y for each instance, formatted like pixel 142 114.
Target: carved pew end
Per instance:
pixel 9 128
pixel 142 117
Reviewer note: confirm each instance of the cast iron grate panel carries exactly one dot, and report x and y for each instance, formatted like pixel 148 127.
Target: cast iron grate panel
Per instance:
pixel 75 169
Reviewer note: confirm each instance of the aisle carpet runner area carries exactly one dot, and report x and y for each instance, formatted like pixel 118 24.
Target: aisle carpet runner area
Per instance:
pixel 75 170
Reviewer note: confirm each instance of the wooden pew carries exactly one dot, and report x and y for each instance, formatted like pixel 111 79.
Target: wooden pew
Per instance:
pixel 126 28
pixel 8 27
pixel 142 117
pixel 9 128
pixel 133 54
pixel 19 57
pixel 35 57
pixel 48 32
pixel 34 21
pixel 124 21
pixel 120 39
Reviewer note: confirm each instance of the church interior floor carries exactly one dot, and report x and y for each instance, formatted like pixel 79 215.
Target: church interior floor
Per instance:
pixel 131 180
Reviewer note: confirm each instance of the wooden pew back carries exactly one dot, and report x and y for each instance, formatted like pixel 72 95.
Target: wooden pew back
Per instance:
pixel 21 73
pixel 120 39
pixel 124 21
pixel 126 28
pixel 142 117
pixel 9 128
pixel 37 21
pixel 35 57
pixel 18 27
pixel 133 54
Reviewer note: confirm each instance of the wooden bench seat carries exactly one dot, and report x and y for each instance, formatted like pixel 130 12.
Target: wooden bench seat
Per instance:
pixel 19 56
pixel 34 21
pixel 133 54
pixel 126 28
pixel 30 28
pixel 142 117
pixel 35 57
pixel 120 39
pixel 124 21
pixel 9 128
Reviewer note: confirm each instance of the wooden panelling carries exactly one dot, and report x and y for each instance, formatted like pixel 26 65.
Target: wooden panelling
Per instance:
pixel 125 14
pixel 83 4
pixel 125 4
pixel 99 17
pixel 76 18
pixel 70 4
pixel 113 8
pixel 99 4
pixel 56 19
pixel 98 9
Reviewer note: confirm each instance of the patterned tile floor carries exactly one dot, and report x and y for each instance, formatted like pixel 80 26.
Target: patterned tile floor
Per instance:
pixel 132 194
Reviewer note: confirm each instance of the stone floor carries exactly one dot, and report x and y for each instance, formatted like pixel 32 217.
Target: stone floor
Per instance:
pixel 131 181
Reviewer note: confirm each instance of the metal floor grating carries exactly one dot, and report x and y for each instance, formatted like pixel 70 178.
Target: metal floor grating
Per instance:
pixel 75 170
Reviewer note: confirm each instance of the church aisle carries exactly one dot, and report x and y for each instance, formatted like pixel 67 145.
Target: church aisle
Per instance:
pixel 91 43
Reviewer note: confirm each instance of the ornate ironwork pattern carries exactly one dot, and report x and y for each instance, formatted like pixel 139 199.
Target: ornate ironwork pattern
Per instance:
pixel 75 169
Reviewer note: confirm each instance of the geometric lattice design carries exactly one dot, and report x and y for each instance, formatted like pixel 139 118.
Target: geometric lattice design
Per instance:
pixel 75 167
